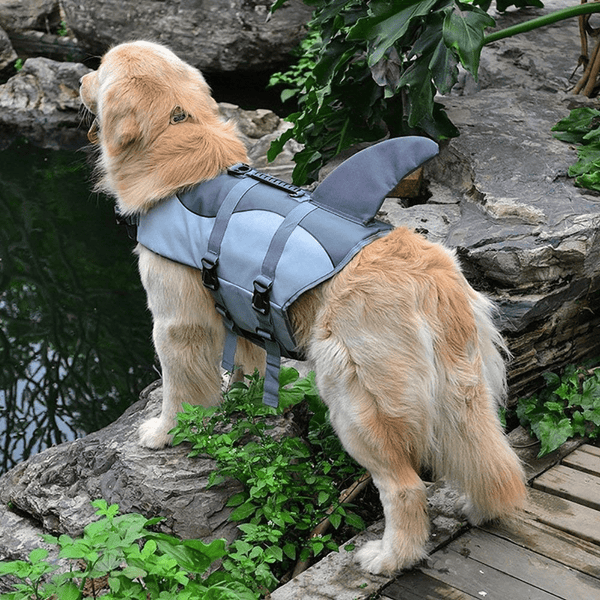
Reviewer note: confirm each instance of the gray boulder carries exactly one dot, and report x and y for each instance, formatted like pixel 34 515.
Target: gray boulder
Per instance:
pixel 7 53
pixel 20 15
pixel 214 36
pixel 53 490
pixel 41 102
pixel 500 195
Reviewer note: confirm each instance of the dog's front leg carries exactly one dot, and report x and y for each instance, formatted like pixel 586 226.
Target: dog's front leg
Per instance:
pixel 188 336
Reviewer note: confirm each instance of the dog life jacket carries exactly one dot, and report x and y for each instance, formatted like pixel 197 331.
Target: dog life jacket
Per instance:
pixel 261 242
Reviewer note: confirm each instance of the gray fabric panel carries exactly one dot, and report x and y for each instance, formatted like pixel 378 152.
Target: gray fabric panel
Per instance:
pixel 358 187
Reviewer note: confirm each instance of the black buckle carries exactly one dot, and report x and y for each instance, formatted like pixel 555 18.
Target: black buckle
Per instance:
pixel 260 297
pixel 265 335
pixel 223 312
pixel 239 169
pixel 209 273
pixel 130 222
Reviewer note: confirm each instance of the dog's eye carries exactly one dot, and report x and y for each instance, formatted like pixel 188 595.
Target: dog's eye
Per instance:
pixel 178 115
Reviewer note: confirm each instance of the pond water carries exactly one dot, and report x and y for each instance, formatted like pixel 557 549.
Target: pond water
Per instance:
pixel 75 333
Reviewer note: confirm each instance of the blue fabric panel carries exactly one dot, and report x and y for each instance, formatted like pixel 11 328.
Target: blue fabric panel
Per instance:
pixel 168 228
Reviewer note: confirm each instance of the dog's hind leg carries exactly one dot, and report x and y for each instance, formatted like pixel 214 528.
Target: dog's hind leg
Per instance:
pixel 472 450
pixel 188 336
pixel 474 453
pixel 388 445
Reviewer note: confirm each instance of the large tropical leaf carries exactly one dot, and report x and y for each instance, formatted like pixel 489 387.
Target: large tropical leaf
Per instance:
pixel 464 26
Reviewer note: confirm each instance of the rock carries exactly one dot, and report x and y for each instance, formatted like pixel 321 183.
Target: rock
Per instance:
pixel 214 36
pixel 55 487
pixel 39 43
pixel 7 53
pixel 53 490
pixel 19 15
pixel 501 196
pixel 259 128
pixel 41 102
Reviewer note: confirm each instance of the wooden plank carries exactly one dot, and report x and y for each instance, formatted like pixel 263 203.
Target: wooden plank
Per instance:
pixel 595 450
pixel 526 565
pixel 552 543
pixel 571 484
pixel 416 585
pixel 578 520
pixel 586 458
pixel 479 580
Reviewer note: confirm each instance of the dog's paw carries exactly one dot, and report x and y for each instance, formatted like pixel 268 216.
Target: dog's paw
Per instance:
pixel 154 434
pixel 375 558
pixel 473 514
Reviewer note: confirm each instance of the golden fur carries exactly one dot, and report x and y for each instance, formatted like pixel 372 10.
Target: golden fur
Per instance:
pixel 406 355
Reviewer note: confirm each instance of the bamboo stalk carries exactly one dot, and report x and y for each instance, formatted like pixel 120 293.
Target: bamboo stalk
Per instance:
pixel 593 76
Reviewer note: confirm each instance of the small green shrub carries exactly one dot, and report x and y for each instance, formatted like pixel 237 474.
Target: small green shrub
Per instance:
pixel 139 563
pixel 582 127
pixel 569 405
pixel 290 484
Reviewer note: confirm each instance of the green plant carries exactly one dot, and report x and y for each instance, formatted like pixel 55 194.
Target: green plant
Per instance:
pixel 290 484
pixel 137 562
pixel 292 81
pixel 377 71
pixel 374 68
pixel 63 29
pixel 18 64
pixel 582 127
pixel 569 405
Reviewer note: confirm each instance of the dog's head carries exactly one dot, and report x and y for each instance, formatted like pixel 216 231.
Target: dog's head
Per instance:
pixel 157 125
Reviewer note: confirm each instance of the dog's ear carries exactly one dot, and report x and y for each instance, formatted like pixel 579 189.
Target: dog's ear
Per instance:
pixel 122 119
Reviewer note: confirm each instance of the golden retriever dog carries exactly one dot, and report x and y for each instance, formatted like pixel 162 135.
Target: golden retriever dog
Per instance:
pixel 406 356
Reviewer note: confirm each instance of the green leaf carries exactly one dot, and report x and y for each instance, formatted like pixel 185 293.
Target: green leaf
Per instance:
pixel 317 546
pixel 68 591
pixel 133 572
pixel 552 433
pixel 323 498
pixel 335 519
pixel 592 415
pixel 355 521
pixel 237 499
pixel 579 424
pixel 38 555
pixel 420 92
pixel 243 511
pixel 290 551
pixel 579 121
pixel 384 28
pixel 463 31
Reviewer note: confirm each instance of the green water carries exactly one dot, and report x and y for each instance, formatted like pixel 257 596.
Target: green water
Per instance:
pixel 75 334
